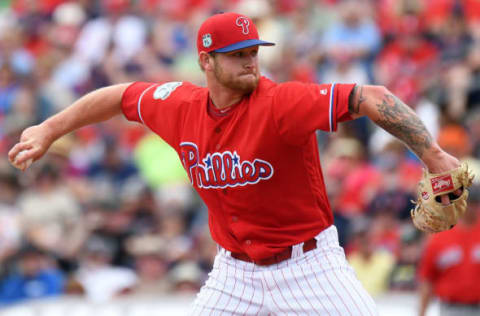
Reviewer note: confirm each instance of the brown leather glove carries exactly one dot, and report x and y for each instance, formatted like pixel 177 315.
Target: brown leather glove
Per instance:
pixel 430 215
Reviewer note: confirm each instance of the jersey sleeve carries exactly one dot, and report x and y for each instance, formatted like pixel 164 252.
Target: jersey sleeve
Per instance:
pixel 300 109
pixel 156 105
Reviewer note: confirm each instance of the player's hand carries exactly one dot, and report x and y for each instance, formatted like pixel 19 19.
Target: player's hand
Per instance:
pixel 33 144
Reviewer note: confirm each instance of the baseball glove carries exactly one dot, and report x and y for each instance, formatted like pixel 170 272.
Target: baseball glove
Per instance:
pixel 429 214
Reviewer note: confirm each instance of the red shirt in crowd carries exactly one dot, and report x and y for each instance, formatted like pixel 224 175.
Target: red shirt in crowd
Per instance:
pixel 451 262
pixel 256 168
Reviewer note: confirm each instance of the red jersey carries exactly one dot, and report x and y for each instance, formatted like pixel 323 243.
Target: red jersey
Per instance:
pixel 257 168
pixel 451 262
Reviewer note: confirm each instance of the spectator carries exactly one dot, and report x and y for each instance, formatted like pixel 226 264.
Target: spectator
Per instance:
pixel 405 65
pixel 113 173
pixel 357 178
pixel 353 182
pixel 187 277
pixel 126 32
pixel 385 232
pixel 168 235
pixel 99 279
pixel 400 170
pixel 51 216
pixel 344 68
pixel 454 41
pixel 450 265
pixel 114 229
pixel 372 265
pixel 404 277
pixel 355 37
pixel 151 266
pixel 36 277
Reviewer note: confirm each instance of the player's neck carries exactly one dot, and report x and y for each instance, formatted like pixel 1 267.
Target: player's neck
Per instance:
pixel 224 101
pixel 223 97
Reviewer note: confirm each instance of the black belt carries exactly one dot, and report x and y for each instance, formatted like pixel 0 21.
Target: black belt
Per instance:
pixel 278 257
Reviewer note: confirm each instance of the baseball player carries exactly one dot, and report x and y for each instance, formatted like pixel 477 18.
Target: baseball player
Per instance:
pixel 450 266
pixel 249 147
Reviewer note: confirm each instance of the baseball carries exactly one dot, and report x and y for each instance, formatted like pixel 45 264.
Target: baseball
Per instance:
pixel 24 165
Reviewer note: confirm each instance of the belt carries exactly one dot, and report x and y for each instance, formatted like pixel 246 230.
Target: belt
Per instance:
pixel 278 257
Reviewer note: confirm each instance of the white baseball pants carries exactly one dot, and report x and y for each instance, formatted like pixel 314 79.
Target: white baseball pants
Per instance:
pixel 318 282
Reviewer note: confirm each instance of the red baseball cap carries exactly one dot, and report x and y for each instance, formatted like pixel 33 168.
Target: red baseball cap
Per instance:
pixel 226 32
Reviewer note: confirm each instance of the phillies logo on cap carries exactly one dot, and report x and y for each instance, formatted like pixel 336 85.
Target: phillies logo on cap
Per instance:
pixel 243 23
pixel 207 40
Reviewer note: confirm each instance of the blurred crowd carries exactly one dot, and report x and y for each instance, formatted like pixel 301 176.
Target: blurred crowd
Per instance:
pixel 109 211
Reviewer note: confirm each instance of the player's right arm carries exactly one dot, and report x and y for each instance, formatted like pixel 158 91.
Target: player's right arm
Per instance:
pixel 97 106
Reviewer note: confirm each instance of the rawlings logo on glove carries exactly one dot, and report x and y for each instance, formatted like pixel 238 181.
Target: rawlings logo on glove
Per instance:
pixel 430 215
pixel 442 183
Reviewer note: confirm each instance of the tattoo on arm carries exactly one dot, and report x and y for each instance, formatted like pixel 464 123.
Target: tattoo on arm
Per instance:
pixel 401 121
pixel 355 99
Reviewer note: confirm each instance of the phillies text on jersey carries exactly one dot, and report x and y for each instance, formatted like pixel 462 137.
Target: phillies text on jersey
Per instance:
pixel 221 170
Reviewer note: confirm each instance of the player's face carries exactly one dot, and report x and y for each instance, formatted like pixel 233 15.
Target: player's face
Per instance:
pixel 238 69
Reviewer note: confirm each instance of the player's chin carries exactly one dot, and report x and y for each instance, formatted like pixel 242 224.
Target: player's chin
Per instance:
pixel 248 83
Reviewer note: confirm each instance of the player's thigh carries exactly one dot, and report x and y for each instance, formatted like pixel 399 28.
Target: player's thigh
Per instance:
pixel 336 280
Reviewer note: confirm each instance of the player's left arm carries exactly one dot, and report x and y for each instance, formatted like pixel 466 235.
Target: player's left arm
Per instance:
pixel 397 118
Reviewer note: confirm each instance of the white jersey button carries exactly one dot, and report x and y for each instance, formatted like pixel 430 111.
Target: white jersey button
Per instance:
pixel 248 242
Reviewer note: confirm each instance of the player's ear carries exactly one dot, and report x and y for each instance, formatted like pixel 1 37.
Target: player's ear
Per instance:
pixel 205 60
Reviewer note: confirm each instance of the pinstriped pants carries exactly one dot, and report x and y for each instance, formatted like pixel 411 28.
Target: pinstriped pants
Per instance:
pixel 318 282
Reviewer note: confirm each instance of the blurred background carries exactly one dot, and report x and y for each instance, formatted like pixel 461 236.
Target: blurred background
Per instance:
pixel 108 214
